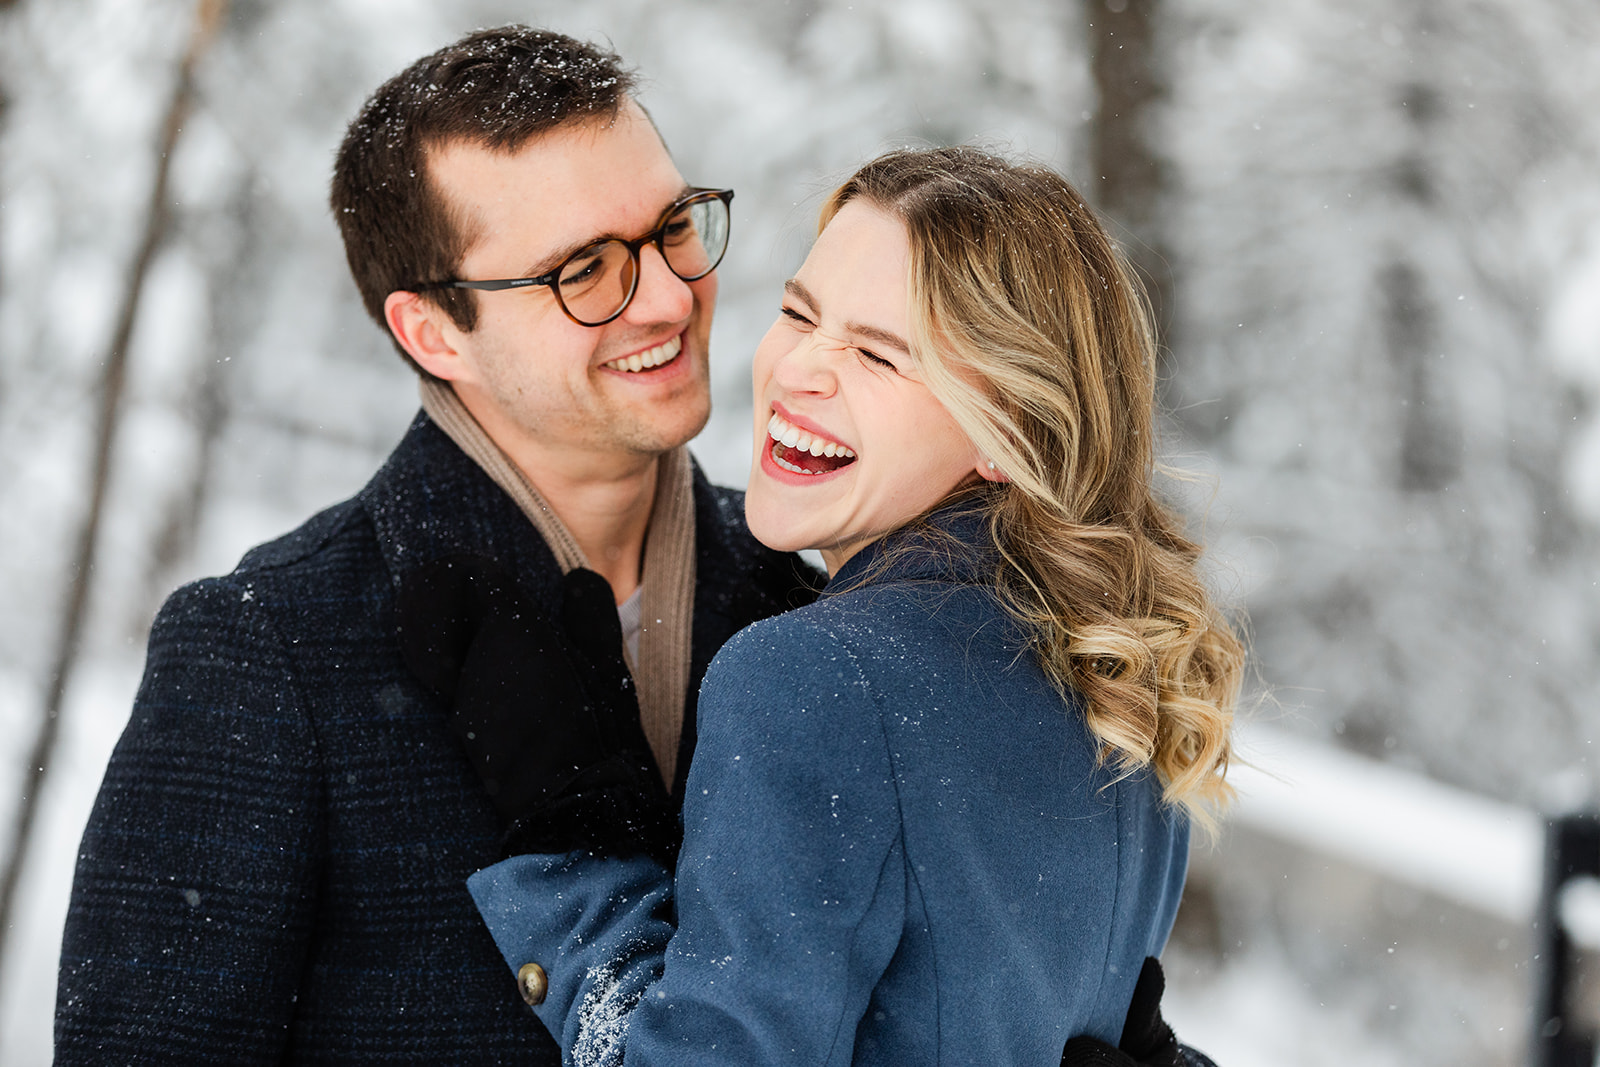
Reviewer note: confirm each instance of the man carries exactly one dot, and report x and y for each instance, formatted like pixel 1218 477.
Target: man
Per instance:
pixel 275 868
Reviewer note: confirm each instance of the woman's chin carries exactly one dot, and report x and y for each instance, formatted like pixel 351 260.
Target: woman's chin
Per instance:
pixel 774 532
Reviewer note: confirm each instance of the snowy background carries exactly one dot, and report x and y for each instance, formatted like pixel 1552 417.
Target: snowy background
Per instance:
pixel 1375 232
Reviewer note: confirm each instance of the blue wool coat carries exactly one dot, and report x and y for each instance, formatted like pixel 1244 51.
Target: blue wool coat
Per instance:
pixel 899 848
pixel 274 869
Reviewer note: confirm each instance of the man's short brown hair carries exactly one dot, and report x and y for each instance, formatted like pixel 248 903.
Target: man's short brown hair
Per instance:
pixel 494 88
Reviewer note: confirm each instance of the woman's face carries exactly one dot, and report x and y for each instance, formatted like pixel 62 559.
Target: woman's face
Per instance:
pixel 849 442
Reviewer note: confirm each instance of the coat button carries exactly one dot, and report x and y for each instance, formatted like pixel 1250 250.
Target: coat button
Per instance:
pixel 533 983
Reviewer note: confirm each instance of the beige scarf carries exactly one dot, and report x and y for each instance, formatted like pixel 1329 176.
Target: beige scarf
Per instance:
pixel 667 603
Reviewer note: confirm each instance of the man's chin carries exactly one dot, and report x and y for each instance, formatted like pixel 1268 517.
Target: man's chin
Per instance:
pixel 690 413
pixel 663 437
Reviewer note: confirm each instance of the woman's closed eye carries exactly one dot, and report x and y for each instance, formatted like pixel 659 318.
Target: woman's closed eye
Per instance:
pixel 801 321
pixel 871 357
pixel 796 319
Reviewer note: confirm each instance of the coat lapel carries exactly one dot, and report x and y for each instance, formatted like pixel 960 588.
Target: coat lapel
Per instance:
pixel 430 500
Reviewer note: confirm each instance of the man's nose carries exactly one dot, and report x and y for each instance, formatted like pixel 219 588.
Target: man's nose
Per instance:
pixel 662 296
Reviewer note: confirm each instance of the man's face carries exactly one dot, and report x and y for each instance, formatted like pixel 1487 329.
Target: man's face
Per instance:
pixel 547 389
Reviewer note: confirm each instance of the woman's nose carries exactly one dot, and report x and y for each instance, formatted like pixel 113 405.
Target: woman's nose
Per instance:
pixel 662 296
pixel 809 367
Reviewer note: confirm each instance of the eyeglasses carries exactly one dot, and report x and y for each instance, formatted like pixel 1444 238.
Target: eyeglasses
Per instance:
pixel 597 282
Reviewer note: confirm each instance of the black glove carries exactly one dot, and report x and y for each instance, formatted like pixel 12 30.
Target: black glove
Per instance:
pixel 1147 1040
pixel 547 714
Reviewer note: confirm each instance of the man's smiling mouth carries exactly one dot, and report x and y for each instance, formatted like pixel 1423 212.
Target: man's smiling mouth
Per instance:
pixel 803 452
pixel 648 359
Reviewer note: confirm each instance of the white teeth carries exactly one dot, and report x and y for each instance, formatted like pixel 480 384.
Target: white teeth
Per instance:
pixel 786 465
pixel 791 436
pixel 655 357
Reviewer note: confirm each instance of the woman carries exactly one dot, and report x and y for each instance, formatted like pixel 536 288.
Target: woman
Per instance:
pixel 941 815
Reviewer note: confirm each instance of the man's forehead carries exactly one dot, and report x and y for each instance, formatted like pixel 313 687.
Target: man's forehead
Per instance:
pixel 582 180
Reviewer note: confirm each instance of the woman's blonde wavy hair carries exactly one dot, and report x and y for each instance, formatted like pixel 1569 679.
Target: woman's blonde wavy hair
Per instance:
pixel 1032 330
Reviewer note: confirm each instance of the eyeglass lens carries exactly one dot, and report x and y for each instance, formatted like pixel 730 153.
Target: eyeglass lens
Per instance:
pixel 597 283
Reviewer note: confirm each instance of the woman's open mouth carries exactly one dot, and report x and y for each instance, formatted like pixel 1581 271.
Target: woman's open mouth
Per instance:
pixel 803 452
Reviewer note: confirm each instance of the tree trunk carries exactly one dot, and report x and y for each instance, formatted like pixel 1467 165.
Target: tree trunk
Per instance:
pixel 1131 177
pixel 232 266
pixel 1431 433
pixel 5 93
pixel 113 376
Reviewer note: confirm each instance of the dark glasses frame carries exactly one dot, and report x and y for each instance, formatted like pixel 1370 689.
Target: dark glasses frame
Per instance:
pixel 656 237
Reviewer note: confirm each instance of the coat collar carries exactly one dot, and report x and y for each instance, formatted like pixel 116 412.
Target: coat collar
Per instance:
pixel 949 544
pixel 430 500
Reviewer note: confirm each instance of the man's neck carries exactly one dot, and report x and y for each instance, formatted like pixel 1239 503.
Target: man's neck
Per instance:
pixel 608 515
pixel 604 499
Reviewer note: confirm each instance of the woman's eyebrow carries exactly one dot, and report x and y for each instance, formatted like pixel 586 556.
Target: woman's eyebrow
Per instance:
pixel 795 288
pixel 882 336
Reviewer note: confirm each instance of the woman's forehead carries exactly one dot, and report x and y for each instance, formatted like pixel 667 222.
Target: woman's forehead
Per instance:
pixel 857 270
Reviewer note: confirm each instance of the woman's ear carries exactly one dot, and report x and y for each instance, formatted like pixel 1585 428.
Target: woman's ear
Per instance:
pixel 420 327
pixel 990 471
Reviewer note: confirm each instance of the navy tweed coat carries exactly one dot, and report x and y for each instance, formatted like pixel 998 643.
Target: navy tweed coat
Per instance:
pixel 274 870
pixel 899 848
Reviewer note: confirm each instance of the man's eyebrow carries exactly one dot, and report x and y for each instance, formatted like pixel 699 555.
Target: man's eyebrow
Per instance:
pixel 556 258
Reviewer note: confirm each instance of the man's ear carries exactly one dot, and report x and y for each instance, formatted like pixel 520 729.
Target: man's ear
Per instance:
pixel 425 332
